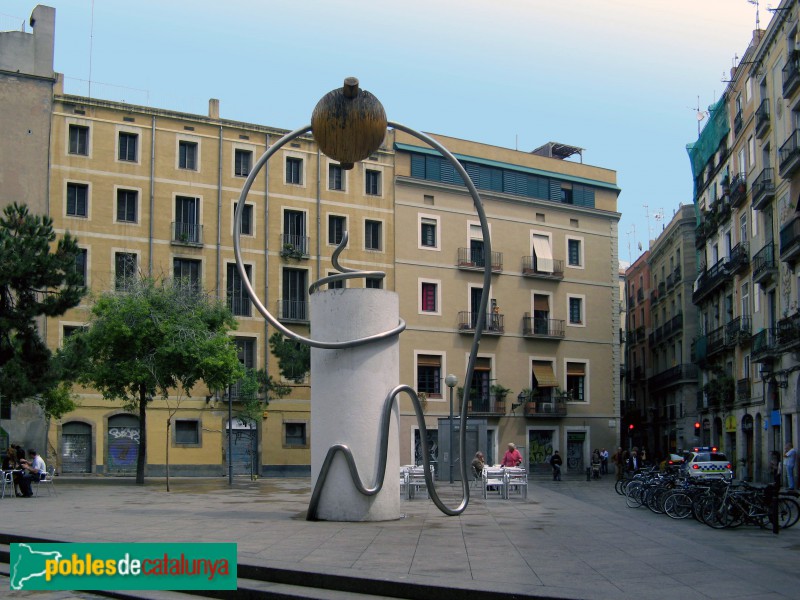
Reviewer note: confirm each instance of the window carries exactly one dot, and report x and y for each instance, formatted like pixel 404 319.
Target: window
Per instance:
pixel 372 183
pixel 575 311
pixel 246 353
pixel 428 298
pixel 574 253
pixel 187 432
pixel 335 285
pixel 186 273
pixel 294 232
pixel 125 269
pixel 374 283
pixel 335 177
pixel 294 300
pixel 372 235
pixel 743 227
pixel 128 144
pixel 77 200
pixel 576 381
pixel 187 155
pixel 187 220
pixel 294 170
pixel 81 264
pixel 429 374
pixel 336 228
pixel 294 435
pixel 127 202
pixel 238 300
pixel 477 253
pixel 242 162
pixel 542 254
pixel 246 227
pixel 79 140
pixel 427 232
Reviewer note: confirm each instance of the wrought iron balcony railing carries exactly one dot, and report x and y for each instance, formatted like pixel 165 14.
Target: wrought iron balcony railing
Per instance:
pixel 542 328
pixel 189 234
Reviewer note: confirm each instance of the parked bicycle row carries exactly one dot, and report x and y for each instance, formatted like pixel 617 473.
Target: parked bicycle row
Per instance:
pixel 718 502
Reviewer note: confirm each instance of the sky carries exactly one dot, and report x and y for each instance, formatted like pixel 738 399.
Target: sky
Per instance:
pixel 621 79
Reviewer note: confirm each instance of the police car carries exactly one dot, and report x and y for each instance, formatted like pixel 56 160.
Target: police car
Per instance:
pixel 707 462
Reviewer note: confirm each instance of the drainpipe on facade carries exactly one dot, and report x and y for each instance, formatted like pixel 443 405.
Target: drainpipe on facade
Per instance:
pixel 219 214
pixel 266 260
pixel 152 194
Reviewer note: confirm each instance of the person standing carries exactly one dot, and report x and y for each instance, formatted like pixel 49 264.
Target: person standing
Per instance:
pixel 556 462
pixel 603 461
pixel 790 456
pixel 619 462
pixel 512 457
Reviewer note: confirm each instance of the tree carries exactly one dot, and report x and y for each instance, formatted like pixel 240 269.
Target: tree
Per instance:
pixel 36 280
pixel 155 337
pixel 294 358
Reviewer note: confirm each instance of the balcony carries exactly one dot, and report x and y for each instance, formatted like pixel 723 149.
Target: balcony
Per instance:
pixel 485 405
pixel 716 341
pixel 743 390
pixel 765 345
pixel 710 280
pixel 640 295
pixel 791 74
pixel 738 121
pixel 738 192
pixel 700 350
pixel 790 240
pixel 475 259
pixel 187 234
pixel 764 188
pixel 468 321
pixel 740 257
pixel 294 246
pixel 662 289
pixel 631 301
pixel 706 228
pixel 293 311
pixel 674 278
pixel 764 264
pixel 668 329
pixel 640 334
pixel 738 331
pixel 789 332
pixel 673 376
pixel 546 405
pixel 762 118
pixel 789 155
pixel 548 329
pixel 533 268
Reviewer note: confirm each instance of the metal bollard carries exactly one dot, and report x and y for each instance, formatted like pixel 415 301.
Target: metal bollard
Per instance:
pixel 588 473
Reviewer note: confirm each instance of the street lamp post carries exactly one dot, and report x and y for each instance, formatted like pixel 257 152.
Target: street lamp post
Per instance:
pixel 451 381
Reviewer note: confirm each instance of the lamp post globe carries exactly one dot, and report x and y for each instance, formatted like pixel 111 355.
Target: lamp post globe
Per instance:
pixel 451 381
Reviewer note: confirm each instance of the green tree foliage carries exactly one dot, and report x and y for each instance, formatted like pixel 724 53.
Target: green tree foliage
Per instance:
pixel 36 279
pixel 294 358
pixel 256 389
pixel 154 337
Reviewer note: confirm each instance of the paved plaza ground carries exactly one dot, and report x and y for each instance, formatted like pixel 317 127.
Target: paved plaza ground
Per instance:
pixel 569 539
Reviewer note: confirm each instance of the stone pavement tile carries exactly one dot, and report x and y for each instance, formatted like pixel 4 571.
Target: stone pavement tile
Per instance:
pixel 728 586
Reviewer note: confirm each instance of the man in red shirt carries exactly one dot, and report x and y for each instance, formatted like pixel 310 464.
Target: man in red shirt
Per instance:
pixel 512 457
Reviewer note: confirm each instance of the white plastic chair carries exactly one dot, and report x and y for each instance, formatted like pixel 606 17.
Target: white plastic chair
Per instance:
pixel 493 481
pixel 516 481
pixel 47 481
pixel 7 480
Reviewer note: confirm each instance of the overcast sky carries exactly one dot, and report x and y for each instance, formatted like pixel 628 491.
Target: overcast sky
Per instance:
pixel 620 78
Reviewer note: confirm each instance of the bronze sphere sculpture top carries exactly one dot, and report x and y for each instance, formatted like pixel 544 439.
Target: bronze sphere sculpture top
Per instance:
pixel 349 123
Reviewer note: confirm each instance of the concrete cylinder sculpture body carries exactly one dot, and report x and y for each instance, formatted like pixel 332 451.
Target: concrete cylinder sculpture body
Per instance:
pixel 347 399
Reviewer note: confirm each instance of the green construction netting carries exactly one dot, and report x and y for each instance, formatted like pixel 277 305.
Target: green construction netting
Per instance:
pixel 715 130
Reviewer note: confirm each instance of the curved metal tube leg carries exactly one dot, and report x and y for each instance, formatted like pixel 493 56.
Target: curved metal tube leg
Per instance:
pixel 380 467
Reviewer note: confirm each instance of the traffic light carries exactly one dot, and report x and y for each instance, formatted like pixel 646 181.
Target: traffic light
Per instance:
pixel 630 427
pixel 696 428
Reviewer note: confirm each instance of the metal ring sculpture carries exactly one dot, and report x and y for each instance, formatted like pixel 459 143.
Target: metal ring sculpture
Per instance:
pixel 346 273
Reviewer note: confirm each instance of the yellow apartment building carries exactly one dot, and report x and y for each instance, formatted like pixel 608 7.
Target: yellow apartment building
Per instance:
pixel 552 332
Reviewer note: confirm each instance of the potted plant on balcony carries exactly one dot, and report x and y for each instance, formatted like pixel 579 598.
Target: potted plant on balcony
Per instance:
pixel 499 392
pixel 291 251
